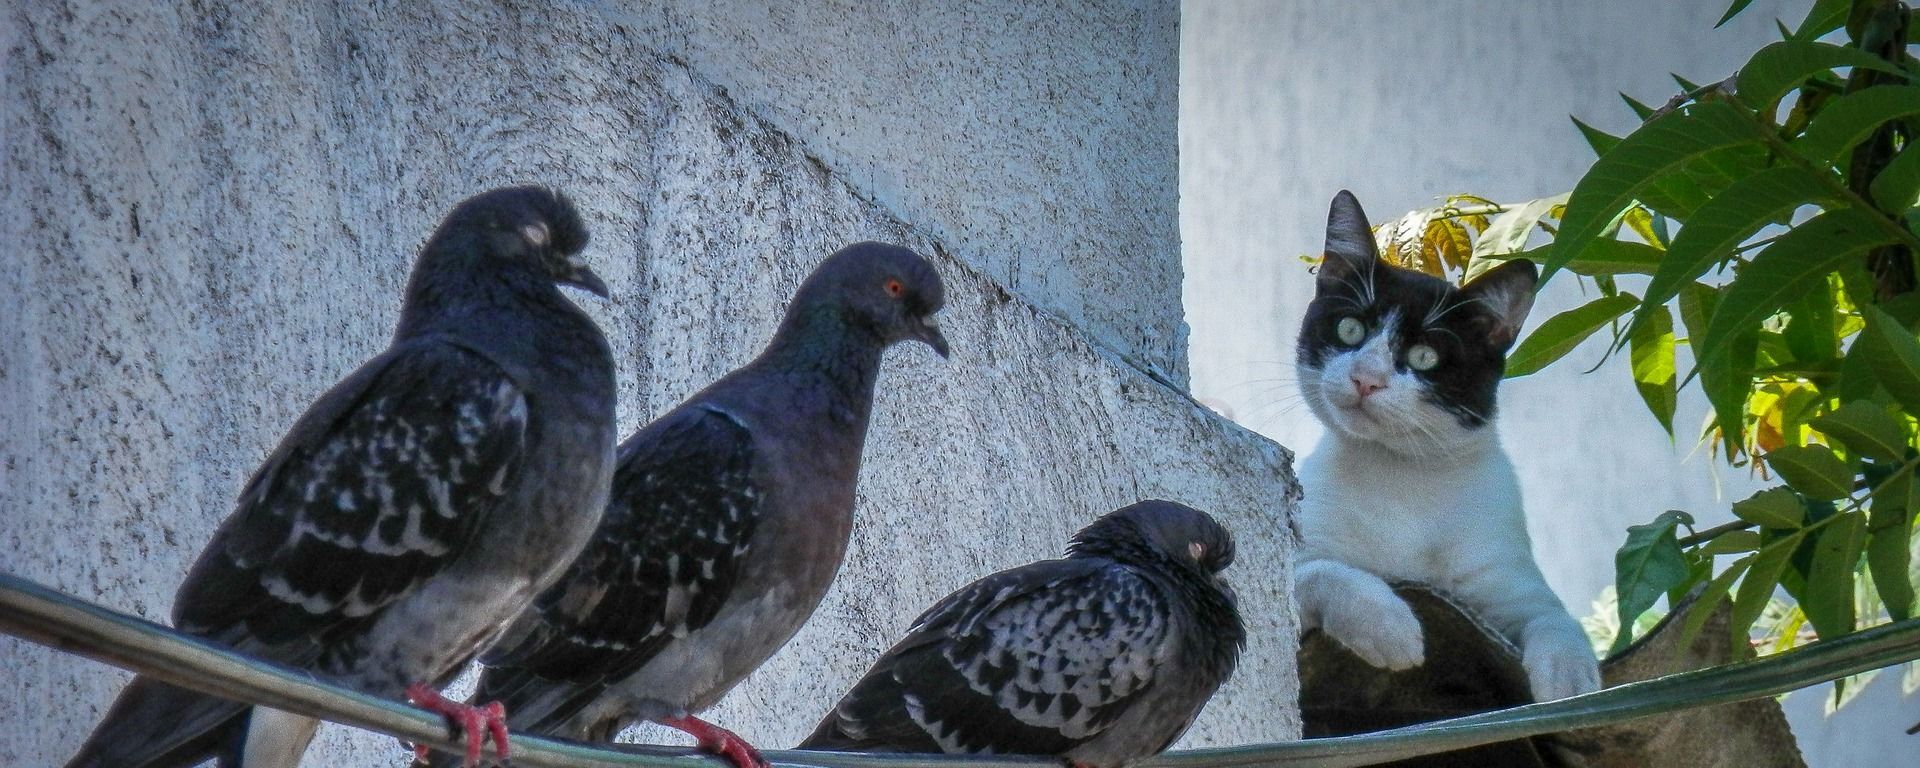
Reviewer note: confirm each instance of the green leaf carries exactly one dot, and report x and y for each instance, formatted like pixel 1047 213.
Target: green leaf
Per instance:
pixel 1812 470
pixel 1601 141
pixel 1647 565
pixel 1710 598
pixel 1732 542
pixel 1851 118
pixel 1781 67
pixel 1866 429
pixel 1809 332
pixel 1732 11
pixel 1697 302
pixel 1562 332
pixel 1728 219
pixel 1653 371
pixel 1890 529
pixel 1897 187
pixel 1640 110
pixel 1892 353
pixel 1727 379
pixel 1829 601
pixel 1757 588
pixel 1773 508
pixel 1604 258
pixel 1660 147
pixel 1788 269
pixel 1825 16
pixel 1508 232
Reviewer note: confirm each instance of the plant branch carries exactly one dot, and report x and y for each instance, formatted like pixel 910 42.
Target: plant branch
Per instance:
pixel 1702 537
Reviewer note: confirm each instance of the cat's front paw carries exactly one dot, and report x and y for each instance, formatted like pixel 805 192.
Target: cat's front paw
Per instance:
pixel 1379 628
pixel 1556 670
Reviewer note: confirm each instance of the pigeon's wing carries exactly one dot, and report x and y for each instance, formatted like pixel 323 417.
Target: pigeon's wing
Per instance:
pixel 665 559
pixel 1034 660
pixel 375 489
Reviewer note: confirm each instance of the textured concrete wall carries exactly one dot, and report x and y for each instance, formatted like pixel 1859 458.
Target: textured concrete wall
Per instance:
pixel 1037 140
pixel 1282 104
pixel 213 214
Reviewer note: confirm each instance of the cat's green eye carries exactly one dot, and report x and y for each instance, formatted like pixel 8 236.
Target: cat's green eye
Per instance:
pixel 1421 357
pixel 1351 331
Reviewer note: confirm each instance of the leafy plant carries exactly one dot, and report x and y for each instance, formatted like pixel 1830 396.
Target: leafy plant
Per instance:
pixel 1771 216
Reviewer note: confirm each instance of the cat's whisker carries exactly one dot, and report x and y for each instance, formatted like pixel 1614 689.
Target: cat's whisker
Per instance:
pixel 1432 319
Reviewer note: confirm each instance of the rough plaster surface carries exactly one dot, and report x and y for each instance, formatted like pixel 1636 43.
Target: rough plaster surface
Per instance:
pixel 212 217
pixel 1037 140
pixel 1282 104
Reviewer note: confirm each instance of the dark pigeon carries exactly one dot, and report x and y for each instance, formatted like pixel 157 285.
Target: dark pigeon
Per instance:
pixel 728 521
pixel 1101 658
pixel 416 507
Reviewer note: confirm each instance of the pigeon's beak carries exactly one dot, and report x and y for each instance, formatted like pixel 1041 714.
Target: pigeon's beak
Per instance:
pixel 925 330
pixel 579 276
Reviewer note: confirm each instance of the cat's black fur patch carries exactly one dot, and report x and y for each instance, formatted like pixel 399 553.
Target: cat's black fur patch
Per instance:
pixel 1471 327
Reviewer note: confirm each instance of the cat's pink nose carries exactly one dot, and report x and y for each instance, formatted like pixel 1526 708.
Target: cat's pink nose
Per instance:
pixel 1363 387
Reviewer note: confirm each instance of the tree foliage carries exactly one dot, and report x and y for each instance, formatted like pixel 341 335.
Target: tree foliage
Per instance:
pixel 1772 217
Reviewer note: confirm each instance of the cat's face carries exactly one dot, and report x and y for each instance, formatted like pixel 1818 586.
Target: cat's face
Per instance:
pixel 1400 358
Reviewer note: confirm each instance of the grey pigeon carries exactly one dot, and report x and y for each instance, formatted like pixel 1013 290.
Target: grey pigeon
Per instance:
pixel 1102 658
pixel 728 520
pixel 416 507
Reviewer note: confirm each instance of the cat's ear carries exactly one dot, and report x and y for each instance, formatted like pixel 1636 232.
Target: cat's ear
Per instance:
pixel 1507 290
pixel 1350 252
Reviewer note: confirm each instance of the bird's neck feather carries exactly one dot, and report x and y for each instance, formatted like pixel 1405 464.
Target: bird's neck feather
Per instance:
pixel 844 358
pixel 514 319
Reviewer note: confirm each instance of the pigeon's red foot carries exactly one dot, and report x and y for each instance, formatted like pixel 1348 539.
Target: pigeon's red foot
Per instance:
pixel 476 722
pixel 719 741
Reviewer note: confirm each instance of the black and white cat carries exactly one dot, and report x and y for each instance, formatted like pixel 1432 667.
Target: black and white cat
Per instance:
pixel 1410 481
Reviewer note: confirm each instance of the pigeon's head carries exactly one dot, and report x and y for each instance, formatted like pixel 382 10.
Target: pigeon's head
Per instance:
pixel 1158 530
pixel 528 230
pixel 886 290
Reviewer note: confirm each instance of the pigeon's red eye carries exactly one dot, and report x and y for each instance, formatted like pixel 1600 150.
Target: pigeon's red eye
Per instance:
pixel 894 288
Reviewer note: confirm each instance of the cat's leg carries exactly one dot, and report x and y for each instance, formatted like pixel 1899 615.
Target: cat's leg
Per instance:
pixel 1511 594
pixel 1360 611
pixel 1558 657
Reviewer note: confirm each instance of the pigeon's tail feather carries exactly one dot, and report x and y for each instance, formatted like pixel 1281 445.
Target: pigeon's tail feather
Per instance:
pixel 156 725
pixel 831 737
pixel 872 718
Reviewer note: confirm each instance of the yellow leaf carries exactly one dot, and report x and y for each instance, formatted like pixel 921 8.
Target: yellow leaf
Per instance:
pixel 1640 220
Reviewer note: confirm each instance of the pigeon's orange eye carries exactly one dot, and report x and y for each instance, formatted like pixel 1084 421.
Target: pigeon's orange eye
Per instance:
pixel 894 288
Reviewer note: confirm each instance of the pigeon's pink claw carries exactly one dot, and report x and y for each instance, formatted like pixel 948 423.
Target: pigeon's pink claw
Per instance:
pixel 719 741
pixel 476 722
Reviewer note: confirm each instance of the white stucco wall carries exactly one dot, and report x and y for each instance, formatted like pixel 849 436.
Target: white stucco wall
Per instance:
pixel 1037 140
pixel 1283 104
pixel 212 217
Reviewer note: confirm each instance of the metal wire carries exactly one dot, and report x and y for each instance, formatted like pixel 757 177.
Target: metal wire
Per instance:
pixel 36 613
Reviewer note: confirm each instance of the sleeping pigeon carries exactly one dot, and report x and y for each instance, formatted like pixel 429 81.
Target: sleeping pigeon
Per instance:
pixel 1102 658
pixel 728 520
pixel 416 507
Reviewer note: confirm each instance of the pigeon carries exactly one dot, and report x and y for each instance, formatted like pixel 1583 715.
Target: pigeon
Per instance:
pixel 1101 658
pixel 728 520
pixel 416 507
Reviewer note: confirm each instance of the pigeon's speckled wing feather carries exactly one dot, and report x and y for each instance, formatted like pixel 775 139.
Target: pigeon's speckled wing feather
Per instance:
pixel 665 559
pixel 376 488
pixel 1034 660
pixel 373 491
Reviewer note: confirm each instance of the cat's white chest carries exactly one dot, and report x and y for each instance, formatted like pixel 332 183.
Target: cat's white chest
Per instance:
pixel 1402 519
